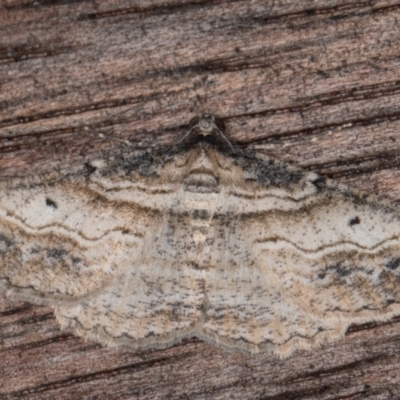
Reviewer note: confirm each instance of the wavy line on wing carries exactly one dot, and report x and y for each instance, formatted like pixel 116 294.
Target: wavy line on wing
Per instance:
pixel 148 190
pixel 329 248
pixel 255 196
pixel 77 236
pixel 132 186
pixel 115 187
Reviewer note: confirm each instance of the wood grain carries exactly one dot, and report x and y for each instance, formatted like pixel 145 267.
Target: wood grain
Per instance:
pixel 315 83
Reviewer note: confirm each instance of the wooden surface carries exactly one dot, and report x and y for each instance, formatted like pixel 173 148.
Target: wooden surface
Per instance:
pixel 315 83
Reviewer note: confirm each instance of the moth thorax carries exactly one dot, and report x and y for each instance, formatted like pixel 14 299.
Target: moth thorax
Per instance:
pixel 201 182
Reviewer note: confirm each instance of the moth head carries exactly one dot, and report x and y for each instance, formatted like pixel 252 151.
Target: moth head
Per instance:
pixel 206 129
pixel 207 124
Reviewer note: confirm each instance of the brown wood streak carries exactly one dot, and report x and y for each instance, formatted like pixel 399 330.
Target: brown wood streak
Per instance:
pixel 315 84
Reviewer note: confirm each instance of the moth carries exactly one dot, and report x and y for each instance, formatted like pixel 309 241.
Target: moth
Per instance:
pixel 201 239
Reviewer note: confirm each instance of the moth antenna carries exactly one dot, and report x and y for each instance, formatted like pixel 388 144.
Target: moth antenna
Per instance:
pixel 234 149
pixel 105 135
pixel 178 144
pixel 219 132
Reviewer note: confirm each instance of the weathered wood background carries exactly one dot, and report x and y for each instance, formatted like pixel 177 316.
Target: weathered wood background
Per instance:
pixel 311 82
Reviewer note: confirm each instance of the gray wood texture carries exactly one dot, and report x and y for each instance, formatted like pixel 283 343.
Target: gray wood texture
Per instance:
pixel 314 83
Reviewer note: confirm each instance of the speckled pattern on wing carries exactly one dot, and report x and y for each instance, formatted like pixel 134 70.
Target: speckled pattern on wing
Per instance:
pixel 201 239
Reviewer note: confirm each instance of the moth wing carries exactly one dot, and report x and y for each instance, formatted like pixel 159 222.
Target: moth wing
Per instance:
pixel 63 235
pixel 152 305
pixel 301 263
pixel 60 240
pixel 99 245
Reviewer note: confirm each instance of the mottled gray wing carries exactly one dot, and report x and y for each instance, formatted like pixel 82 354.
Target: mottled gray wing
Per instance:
pixel 298 261
pixel 244 252
pixel 97 245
